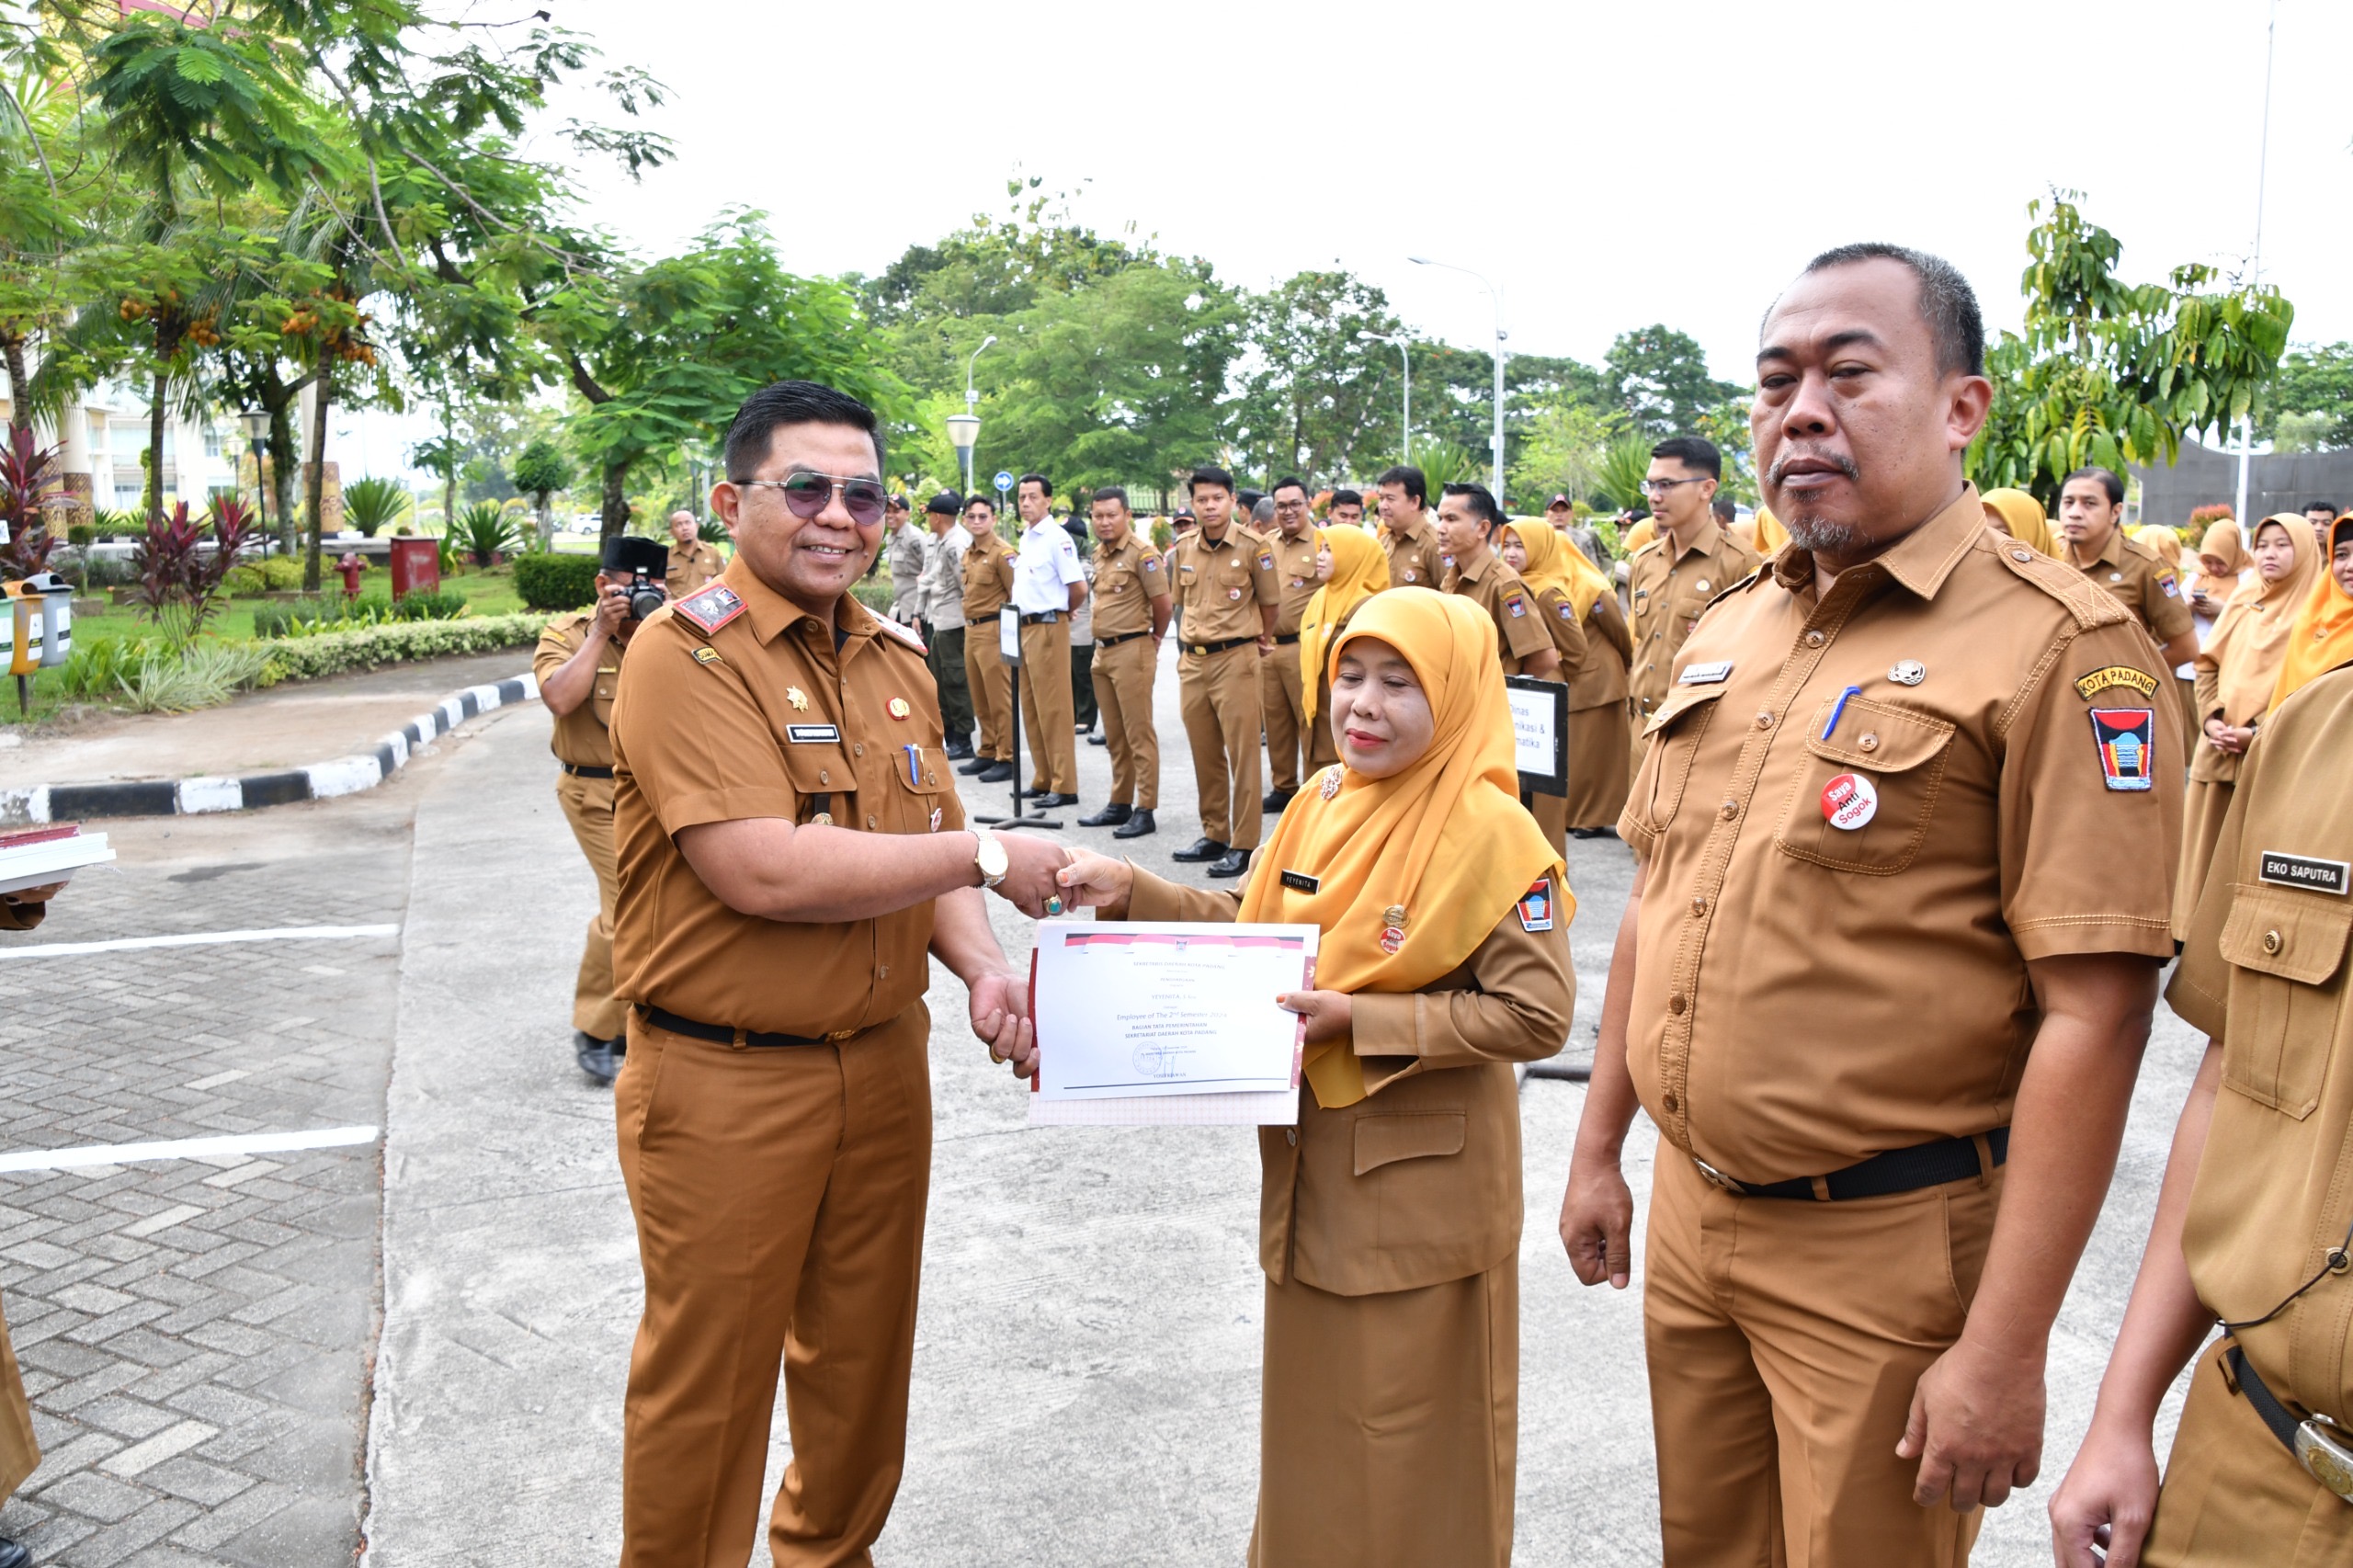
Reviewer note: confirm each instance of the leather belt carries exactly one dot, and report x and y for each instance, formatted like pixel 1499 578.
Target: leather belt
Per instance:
pixel 1217 647
pixel 1283 642
pixel 1116 638
pixel 1043 618
pixel 588 771
pixel 2320 1445
pixel 719 1034
pixel 1882 1176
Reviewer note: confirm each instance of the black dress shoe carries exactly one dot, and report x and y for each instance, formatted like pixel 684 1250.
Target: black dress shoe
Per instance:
pixel 957 751
pixel 600 1058
pixel 1593 832
pixel 1136 826
pixel 1276 800
pixel 1112 815
pixel 1098 740
pixel 1200 849
pixel 1235 863
pixel 1052 800
pixel 15 1555
pixel 978 765
pixel 994 773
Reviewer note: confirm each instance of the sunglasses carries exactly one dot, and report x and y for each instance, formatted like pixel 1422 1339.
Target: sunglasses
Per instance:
pixel 809 494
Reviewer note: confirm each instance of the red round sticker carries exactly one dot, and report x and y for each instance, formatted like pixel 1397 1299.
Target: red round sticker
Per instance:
pixel 1849 800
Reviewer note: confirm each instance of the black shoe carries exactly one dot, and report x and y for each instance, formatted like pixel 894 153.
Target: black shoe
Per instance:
pixel 1236 862
pixel 1593 832
pixel 1278 798
pixel 959 750
pixel 1094 740
pixel 1201 849
pixel 1052 800
pixel 15 1555
pixel 978 765
pixel 1136 826
pixel 600 1058
pixel 994 773
pixel 1112 815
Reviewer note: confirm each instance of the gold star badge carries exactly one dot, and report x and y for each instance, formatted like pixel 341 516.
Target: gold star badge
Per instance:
pixel 798 698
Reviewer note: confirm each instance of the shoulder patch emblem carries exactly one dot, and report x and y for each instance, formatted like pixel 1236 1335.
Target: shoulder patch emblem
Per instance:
pixel 1266 561
pixel 902 634
pixel 711 608
pixel 1151 563
pixel 1569 611
pixel 707 654
pixel 2117 674
pixel 1536 906
pixel 2172 589
pixel 1516 603
pixel 2127 741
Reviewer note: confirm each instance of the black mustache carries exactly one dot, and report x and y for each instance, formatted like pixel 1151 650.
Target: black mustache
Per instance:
pixel 1780 468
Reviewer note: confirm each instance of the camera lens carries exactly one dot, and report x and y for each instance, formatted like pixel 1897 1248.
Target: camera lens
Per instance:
pixel 644 598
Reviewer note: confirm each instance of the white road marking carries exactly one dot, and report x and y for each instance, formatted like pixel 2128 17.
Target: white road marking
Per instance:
pixel 199 939
pixel 186 1148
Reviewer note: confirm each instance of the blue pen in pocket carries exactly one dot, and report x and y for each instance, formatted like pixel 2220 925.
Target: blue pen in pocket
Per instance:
pixel 1837 712
pixel 914 762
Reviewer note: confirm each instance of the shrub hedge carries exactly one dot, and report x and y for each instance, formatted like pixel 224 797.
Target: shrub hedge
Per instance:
pixel 332 653
pixel 555 583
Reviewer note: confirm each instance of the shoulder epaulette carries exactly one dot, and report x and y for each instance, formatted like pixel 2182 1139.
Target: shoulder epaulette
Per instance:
pixel 711 608
pixel 2086 600
pixel 902 634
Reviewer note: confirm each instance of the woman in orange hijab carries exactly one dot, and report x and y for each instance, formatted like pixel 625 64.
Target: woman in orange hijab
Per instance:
pixel 2238 669
pixel 2020 516
pixel 1350 565
pixel 1569 588
pixel 1390 1217
pixel 2322 638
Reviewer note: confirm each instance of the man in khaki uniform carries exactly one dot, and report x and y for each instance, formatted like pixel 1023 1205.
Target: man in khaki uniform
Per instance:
pixel 1292 545
pixel 579 666
pixel 1049 582
pixel 693 563
pixel 2091 511
pixel 1467 520
pixel 1407 538
pixel 792 849
pixel 1131 609
pixel 2256 1220
pixel 1226 590
pixel 1884 1006
pixel 988 588
pixel 1671 579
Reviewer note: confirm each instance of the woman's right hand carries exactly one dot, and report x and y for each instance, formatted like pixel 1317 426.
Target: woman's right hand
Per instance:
pixel 1097 881
pixel 2101 1511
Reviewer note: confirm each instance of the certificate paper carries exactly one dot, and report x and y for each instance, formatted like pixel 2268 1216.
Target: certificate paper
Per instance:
pixel 1167 1022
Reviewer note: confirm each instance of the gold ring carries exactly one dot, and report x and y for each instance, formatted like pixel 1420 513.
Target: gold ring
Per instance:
pixel 1000 1061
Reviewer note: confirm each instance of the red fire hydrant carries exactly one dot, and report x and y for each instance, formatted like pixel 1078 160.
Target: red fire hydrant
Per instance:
pixel 350 566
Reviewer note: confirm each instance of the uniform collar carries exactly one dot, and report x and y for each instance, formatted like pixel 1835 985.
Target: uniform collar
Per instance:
pixel 1473 574
pixel 1232 536
pixel 772 614
pixel 2112 553
pixel 1921 561
pixel 1705 542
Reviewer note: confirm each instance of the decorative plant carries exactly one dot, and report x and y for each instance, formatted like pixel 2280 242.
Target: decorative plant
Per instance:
pixel 25 472
pixel 1620 471
pixel 2204 518
pixel 179 582
pixel 484 531
pixel 372 503
pixel 540 471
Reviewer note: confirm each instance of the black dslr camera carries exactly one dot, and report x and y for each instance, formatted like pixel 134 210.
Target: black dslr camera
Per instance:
pixel 645 595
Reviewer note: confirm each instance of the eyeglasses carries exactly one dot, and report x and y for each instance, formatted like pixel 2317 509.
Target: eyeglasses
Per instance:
pixel 1657 487
pixel 808 494
pixel 1290 505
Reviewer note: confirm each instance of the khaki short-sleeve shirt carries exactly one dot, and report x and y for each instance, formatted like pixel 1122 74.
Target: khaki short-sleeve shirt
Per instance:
pixel 1667 592
pixel 1844 887
pixel 1295 564
pixel 1415 559
pixel 988 577
pixel 2264 973
pixel 1128 577
pixel 1521 626
pixel 1221 584
pixel 581 737
pixel 2140 582
pixel 693 567
pixel 760 715
pixel 1599 680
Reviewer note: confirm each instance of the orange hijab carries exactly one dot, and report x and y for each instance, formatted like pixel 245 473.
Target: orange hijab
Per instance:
pixel 2164 540
pixel 2250 637
pixel 1441 851
pixel 2023 516
pixel 2323 636
pixel 1770 535
pixel 1359 570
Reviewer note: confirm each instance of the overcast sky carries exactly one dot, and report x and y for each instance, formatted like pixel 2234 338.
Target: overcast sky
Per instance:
pixel 1608 166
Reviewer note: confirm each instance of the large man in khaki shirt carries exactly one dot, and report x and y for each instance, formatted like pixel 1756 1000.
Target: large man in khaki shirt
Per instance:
pixel 1876 985
pixel 1226 590
pixel 1292 544
pixel 1670 580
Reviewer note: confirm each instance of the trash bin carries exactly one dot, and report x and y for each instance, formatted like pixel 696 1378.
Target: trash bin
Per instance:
pixel 57 615
pixel 417 563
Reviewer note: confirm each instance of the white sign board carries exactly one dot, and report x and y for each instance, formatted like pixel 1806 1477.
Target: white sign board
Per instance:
pixel 1538 725
pixel 1009 634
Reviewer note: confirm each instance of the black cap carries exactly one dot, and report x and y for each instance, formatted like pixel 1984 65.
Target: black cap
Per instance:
pixel 627 555
pixel 948 503
pixel 896 501
pixel 1185 515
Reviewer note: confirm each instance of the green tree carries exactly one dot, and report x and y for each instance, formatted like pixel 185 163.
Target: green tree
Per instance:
pixel 2111 373
pixel 540 471
pixel 1560 449
pixel 2315 389
pixel 1659 377
pixel 1321 386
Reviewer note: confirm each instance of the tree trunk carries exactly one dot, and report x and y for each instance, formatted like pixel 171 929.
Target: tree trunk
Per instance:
pixel 20 402
pixel 316 483
pixel 616 507
pixel 284 460
pixel 155 449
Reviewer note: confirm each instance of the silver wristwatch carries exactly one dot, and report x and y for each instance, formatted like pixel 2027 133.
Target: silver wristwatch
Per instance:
pixel 991 857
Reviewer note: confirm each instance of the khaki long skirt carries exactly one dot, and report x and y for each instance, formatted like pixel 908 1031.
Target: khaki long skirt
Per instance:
pixel 1602 765
pixel 19 1452
pixel 1390 1425
pixel 2202 811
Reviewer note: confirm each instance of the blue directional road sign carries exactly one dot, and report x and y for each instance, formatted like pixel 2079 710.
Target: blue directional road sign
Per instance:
pixel 1003 481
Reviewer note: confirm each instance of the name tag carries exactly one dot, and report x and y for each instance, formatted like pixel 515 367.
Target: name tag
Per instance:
pixel 2287 871
pixel 807 734
pixel 1709 674
pixel 1300 882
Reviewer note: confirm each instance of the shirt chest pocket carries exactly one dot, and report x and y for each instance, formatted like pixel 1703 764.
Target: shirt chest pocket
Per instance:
pixel 1863 798
pixel 1675 734
pixel 922 789
pixel 822 776
pixel 2287 946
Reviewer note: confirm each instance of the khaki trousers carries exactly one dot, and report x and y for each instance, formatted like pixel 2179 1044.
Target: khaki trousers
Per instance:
pixel 2208 802
pixel 989 680
pixel 780 1200
pixel 1124 682
pixel 1551 815
pixel 19 1452
pixel 1279 698
pixel 1784 1340
pixel 1218 696
pixel 1046 706
pixel 1390 1425
pixel 1601 765
pixel 2234 1497
pixel 588 806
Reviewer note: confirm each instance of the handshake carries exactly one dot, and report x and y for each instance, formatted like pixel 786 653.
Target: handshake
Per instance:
pixel 1044 880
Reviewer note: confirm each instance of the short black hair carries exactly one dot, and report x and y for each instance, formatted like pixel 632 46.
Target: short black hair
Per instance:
pixel 1347 498
pixel 1482 502
pixel 1045 486
pixel 1724 507
pixel 977 499
pixel 1947 300
pixel 1110 493
pixel 1693 452
pixel 792 402
pixel 2108 481
pixel 1210 473
pixel 2330 507
pixel 1417 484
pixel 1288 481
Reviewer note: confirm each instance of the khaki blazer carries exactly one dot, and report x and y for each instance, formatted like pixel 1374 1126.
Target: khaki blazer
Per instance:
pixel 1420 1182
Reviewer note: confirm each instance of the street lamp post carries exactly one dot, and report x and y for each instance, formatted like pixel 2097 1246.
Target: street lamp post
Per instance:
pixel 256 426
pixel 1405 360
pixel 2255 271
pixel 1496 294
pixel 965 428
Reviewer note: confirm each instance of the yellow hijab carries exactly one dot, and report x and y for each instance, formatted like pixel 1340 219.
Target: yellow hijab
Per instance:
pixel 2250 637
pixel 2164 540
pixel 1640 534
pixel 1359 570
pixel 1440 852
pixel 1555 562
pixel 2022 514
pixel 2323 637
pixel 2223 540
pixel 1770 535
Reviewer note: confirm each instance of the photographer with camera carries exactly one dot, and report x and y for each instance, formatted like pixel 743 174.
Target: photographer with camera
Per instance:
pixel 578 666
